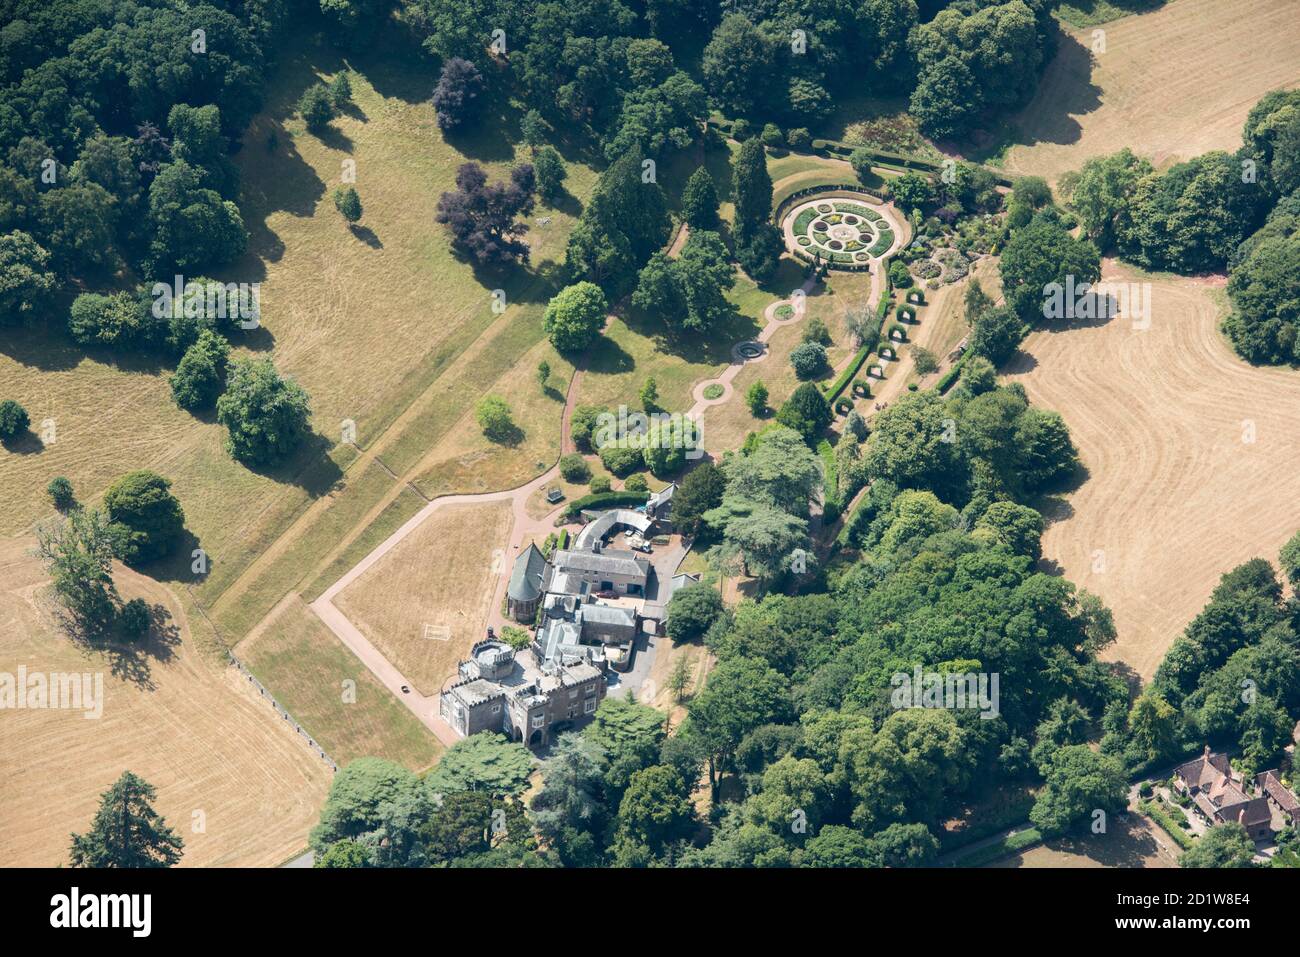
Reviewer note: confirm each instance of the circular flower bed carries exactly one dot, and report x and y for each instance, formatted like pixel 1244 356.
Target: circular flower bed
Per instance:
pixel 840 231
pixel 714 391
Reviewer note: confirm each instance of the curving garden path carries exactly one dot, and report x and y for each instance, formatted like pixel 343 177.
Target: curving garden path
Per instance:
pixel 523 526
pixel 740 358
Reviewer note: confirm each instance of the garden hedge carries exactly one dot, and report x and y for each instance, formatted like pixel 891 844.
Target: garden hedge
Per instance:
pixel 948 378
pixel 890 159
pixel 1021 840
pixel 605 500
pixel 869 341
pixel 1153 810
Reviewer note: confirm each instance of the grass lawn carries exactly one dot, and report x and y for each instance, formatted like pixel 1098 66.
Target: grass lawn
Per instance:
pixel 464 460
pixel 426 601
pixel 189 724
pixel 362 542
pixel 635 347
pixel 726 425
pixel 309 668
pixel 382 325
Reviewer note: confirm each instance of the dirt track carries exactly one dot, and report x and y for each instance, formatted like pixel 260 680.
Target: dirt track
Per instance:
pixel 1180 490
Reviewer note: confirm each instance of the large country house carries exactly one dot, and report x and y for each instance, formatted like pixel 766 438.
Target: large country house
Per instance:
pixel 588 605
pixel 497 689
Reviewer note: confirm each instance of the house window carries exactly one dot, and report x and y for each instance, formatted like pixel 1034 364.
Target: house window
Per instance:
pixel 496 709
pixel 590 706
pixel 539 720
pixel 573 693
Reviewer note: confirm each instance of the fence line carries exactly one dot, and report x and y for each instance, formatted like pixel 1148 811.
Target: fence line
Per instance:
pixel 261 688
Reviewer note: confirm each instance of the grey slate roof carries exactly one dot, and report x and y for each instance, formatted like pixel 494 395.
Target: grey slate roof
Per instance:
pixel 664 495
pixel 612 561
pixel 601 526
pixel 527 578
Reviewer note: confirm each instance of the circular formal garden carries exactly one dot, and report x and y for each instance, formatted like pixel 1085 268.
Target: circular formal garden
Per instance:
pixel 841 231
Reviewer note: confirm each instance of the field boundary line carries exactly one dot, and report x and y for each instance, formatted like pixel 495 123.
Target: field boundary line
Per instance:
pixel 284 712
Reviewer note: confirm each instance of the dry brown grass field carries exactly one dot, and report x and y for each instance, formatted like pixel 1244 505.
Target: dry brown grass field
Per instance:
pixel 195 730
pixel 1129 843
pixel 311 667
pixel 441 576
pixel 382 325
pixel 656 691
pixel 1190 454
pixel 1171 84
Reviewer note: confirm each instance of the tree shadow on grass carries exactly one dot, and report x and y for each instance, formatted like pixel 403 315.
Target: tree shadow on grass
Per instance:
pixel 25 442
pixel 510 436
pixel 396 65
pixel 310 467
pixel 1072 93
pixel 334 138
pixel 788 276
pixel 134 662
pixel 178 565
pixel 607 357
pixel 519 282
pixel 40 346
pixel 127 660
pixel 711 347
pixel 565 203
pixel 285 183
pixel 486 140
pixel 366 235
